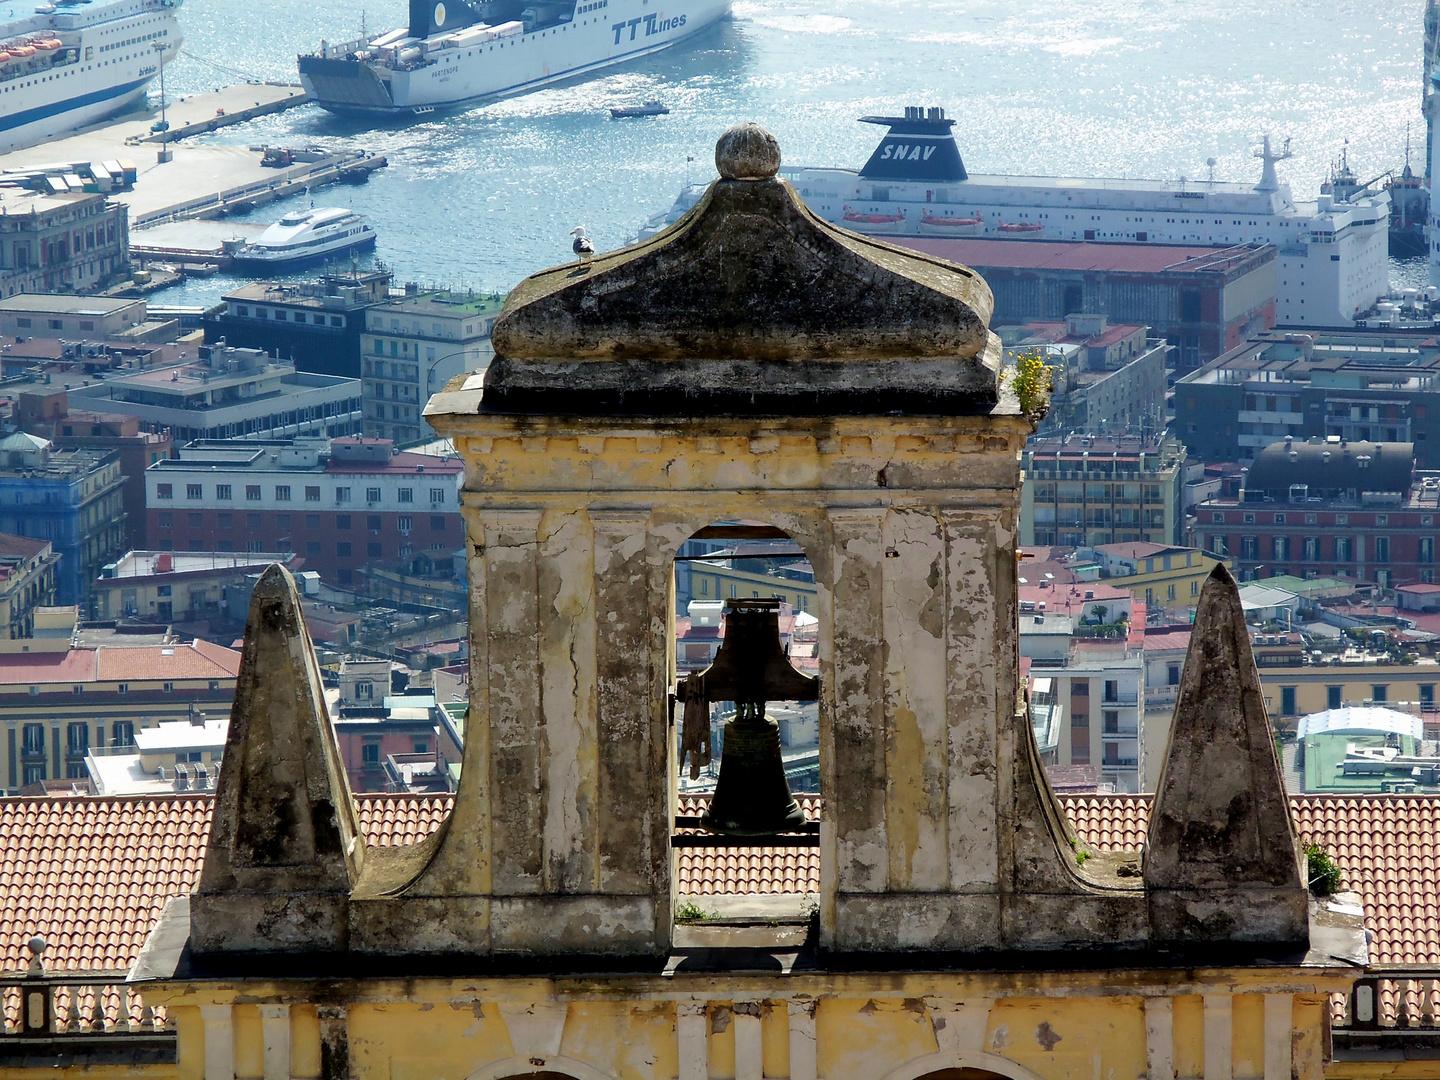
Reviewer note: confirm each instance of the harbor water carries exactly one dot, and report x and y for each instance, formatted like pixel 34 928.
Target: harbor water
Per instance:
pixel 1128 88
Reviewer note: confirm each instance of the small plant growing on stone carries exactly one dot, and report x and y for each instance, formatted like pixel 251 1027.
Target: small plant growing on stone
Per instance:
pixel 1080 857
pixel 691 912
pixel 1324 873
pixel 1033 379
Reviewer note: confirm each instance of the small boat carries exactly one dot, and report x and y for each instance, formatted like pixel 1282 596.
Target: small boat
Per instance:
pixel 308 236
pixel 650 108
pixel 952 226
pixel 1019 227
pixel 874 223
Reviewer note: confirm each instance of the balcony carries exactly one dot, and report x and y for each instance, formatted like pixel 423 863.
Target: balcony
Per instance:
pixel 33 752
pixel 1120 731
pixel 1120 763
pixel 1122 698
pixel 81 1021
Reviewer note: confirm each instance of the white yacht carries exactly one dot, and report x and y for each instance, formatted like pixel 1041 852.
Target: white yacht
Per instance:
pixel 308 236
pixel 456 52
pixel 77 61
pixel 1332 261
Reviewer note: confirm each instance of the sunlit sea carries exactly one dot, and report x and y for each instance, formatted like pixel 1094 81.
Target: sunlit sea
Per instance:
pixel 1129 88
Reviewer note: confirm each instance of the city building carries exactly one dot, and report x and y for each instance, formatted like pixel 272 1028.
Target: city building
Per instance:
pixel 56 705
pixel 383 735
pixel 1364 750
pixel 1087 491
pixel 1299 688
pixel 1107 378
pixel 339 504
pixel 1203 300
pixel 73 499
pixel 228 394
pixel 49 315
pixel 70 242
pixel 1327 508
pixel 749 571
pixel 173 756
pixel 1359 385
pixel 27 582
pixel 414 345
pixel 1162 575
pixel 182 586
pixel 49 416
pixel 316 325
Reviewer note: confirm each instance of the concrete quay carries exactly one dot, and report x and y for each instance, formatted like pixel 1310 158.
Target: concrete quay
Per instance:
pixel 199 181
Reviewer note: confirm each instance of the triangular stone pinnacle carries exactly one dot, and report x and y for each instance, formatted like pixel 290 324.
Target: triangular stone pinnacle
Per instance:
pixel 1222 860
pixel 285 845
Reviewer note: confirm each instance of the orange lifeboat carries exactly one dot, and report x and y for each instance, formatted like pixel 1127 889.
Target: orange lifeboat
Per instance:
pixel 22 52
pixel 49 45
pixel 952 226
pixel 1020 227
pixel 4 58
pixel 867 223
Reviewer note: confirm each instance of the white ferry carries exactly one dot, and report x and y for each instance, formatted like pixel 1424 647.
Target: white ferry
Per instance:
pixel 1332 262
pixel 308 236
pixel 77 61
pixel 455 53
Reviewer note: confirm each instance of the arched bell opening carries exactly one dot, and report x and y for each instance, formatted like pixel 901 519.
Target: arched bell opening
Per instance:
pixel 745 752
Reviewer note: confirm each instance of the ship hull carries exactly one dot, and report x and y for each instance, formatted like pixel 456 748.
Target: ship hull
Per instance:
pixel 465 77
pixel 308 258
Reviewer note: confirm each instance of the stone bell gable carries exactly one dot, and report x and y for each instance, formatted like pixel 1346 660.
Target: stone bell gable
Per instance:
pixel 750 372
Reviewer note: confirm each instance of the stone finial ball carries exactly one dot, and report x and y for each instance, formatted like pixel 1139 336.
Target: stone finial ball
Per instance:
pixel 747 152
pixel 37 945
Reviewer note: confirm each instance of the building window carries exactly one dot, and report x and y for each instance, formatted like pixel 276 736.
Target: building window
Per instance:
pixel 1249 548
pixel 407 495
pixel 1287 701
pixel 372 495
pixel 1343 549
pixel 342 494
pixel 370 754
pixel 437 523
pixel 164 491
pixel 1217 517
pixel 222 492
pixel 77 737
pixel 1312 549
pixel 123 733
pixel 252 522
pixel 252 492
pixel 1280 548
pixel 1382 549
pixel 342 522
pixel 1279 519
pixel 1380 692
pixel 1426 551
pixel 1333 697
pixel 342 549
pixel 165 520
pixel 224 519
pixel 282 493
pixel 1170 592
pixel 312 548
pixel 437 496
pixel 372 523
pixel 282 521
pixel 1172 675
pixel 1249 519
pixel 194 491
pixel 1194 588
pixel 373 551
pixel 312 494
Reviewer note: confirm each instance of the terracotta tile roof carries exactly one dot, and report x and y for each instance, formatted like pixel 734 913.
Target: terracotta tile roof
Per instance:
pixel 190 660
pixel 20 669
pixel 91 875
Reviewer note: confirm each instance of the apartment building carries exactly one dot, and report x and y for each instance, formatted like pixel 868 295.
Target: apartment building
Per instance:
pixel 164 587
pixel 1356 385
pixel 228 393
pixel 316 325
pixel 1087 491
pixel 412 347
pixel 1327 508
pixel 1162 575
pixel 57 705
pixel 1299 689
pixel 27 582
pixel 340 504
pixel 53 242
pixel 73 499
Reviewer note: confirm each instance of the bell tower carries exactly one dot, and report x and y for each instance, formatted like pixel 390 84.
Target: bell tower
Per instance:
pixel 756 367
pixel 752 362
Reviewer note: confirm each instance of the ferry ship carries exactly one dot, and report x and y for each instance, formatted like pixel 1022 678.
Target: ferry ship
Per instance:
pixel 456 53
pixel 1331 265
pixel 304 236
pixel 77 61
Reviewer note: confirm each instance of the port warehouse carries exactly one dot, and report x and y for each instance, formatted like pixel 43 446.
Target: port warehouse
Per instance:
pixel 1203 300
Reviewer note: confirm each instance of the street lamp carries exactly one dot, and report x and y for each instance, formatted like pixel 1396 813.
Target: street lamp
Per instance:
pixel 165 153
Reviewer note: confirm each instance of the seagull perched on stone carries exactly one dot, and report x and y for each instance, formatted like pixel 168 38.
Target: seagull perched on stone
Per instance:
pixel 583 247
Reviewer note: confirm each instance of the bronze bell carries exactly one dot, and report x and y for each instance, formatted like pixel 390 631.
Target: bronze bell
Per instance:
pixel 751 796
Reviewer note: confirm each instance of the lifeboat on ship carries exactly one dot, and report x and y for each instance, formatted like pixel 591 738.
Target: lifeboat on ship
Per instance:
pixel 1019 227
pixel 874 223
pixel 22 52
pixel 4 58
pixel 952 226
pixel 48 45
